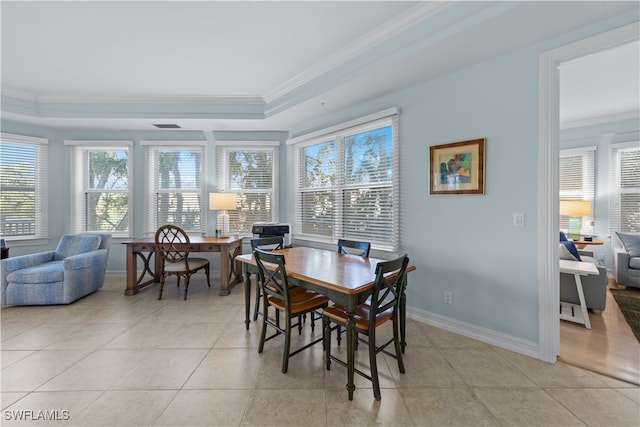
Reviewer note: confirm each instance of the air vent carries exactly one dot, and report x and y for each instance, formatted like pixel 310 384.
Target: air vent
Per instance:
pixel 167 126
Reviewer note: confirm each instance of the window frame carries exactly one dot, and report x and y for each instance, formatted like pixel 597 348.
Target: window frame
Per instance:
pixel 588 191
pixel 150 223
pixel 79 182
pixel 615 190
pixel 338 133
pixel 41 188
pixel 222 164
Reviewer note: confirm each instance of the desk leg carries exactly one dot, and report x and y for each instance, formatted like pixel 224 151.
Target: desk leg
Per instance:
pixel 583 304
pixel 247 297
pixel 132 280
pixel 352 336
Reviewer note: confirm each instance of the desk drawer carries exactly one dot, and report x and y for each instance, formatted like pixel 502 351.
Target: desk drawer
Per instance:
pixel 207 247
pixel 144 247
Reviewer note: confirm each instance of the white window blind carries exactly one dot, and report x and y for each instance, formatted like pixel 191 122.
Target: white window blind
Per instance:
pixel 624 181
pixel 346 183
pixel 24 194
pixel 250 171
pixel 100 187
pixel 577 178
pixel 175 186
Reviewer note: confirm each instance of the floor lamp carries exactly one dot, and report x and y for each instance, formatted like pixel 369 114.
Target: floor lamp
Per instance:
pixel 222 202
pixel 575 210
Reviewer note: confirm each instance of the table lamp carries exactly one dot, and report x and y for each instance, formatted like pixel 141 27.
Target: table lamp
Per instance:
pixel 575 210
pixel 222 202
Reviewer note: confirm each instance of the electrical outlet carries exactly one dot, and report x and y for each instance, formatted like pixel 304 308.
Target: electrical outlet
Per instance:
pixel 448 297
pixel 518 220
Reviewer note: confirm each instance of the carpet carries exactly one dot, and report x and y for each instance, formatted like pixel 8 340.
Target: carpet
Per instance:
pixel 629 302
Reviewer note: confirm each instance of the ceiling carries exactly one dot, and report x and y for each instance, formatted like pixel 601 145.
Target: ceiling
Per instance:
pixel 252 65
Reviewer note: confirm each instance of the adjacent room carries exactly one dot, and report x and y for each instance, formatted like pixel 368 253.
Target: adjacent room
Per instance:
pixel 319 213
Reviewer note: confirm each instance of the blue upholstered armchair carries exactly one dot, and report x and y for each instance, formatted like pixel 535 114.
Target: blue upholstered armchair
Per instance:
pixel 76 268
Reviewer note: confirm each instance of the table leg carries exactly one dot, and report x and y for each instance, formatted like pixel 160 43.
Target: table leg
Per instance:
pixel 132 280
pixel 247 297
pixel 583 304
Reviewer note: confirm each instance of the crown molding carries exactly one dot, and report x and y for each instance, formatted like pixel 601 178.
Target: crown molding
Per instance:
pixel 402 22
pixel 617 117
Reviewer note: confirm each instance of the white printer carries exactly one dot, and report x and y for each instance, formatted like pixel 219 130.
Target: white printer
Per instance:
pixel 271 229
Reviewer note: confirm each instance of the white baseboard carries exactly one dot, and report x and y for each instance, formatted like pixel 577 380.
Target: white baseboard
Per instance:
pixel 528 348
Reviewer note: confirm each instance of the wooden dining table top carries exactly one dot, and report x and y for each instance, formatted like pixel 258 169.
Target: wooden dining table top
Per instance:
pixel 349 274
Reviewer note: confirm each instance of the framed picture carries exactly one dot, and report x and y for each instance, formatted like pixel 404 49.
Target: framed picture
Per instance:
pixel 457 168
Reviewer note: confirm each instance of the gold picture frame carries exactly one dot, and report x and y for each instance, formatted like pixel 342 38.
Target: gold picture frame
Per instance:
pixel 457 168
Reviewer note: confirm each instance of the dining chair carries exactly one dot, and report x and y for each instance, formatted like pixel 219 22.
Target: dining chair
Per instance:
pixel 265 243
pixel 351 247
pixel 172 246
pixel 354 247
pixel 382 307
pixel 292 302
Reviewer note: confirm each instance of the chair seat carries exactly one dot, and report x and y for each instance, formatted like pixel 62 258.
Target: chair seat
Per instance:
pixel 49 272
pixel 361 317
pixel 301 300
pixel 194 264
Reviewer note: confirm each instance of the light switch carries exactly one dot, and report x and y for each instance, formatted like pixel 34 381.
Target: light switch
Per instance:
pixel 518 220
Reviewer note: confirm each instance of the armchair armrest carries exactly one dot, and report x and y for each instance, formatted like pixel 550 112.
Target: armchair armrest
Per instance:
pixel 10 265
pixel 84 273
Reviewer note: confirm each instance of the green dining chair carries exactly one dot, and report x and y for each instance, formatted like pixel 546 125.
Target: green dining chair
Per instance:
pixel 382 307
pixel 265 243
pixel 354 247
pixel 292 302
pixel 351 247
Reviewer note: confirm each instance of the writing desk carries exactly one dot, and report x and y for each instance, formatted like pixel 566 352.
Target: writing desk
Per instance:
pixel 143 249
pixel 570 311
pixel 345 279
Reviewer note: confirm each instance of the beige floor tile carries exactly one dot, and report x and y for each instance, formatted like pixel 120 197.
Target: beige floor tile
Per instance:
pixel 9 398
pixel 144 335
pixel 553 375
pixel 306 370
pixel 194 335
pixel 89 336
pixel 125 408
pixel 161 369
pixel 632 393
pixel 445 339
pixel 41 336
pixel 363 410
pixel 425 367
pixel 593 406
pixel 336 377
pixel 34 370
pixel 9 327
pixel 192 408
pixel 525 407
pixel 485 368
pixel 49 409
pixel 446 407
pixel 226 369
pixel 9 357
pixel 235 335
pixel 286 408
pixel 98 371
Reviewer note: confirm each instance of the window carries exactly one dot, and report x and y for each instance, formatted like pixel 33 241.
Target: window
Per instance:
pixel 250 171
pixel 624 180
pixel 346 183
pixel 23 187
pixel 577 178
pixel 175 185
pixel 100 193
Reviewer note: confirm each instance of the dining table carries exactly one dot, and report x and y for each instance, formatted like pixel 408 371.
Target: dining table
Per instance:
pixel 345 279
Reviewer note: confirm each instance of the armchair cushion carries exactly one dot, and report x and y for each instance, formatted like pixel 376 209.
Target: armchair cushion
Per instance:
pixel 44 273
pixel 631 242
pixel 75 244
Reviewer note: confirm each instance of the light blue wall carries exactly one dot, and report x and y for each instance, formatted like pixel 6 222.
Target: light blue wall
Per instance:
pixel 601 136
pixel 462 244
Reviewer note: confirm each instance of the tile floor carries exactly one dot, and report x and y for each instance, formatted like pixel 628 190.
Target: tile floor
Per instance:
pixel 136 361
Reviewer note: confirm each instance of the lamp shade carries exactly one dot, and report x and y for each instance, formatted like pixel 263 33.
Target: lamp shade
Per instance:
pixel 575 207
pixel 222 201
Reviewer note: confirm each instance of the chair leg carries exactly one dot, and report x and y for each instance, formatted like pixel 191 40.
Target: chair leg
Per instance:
pixel 339 335
pixel 206 270
pixel 258 297
pixel 287 345
pixel 326 332
pixel 186 286
pixel 398 347
pixel 374 365
pixel 263 333
pixel 161 286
